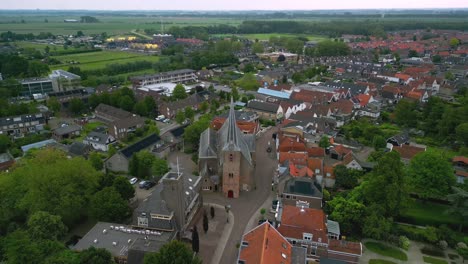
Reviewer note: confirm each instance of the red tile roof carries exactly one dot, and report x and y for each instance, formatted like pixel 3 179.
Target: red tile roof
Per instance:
pixel 315 164
pixel 407 151
pixel 265 245
pixel 291 144
pixel 342 106
pixel 461 173
pixel 316 152
pixel 294 157
pixel 311 96
pixel 302 171
pixel 403 76
pixel 342 150
pixel 460 159
pixel 345 246
pixel 295 221
pixel 244 126
pixel 363 99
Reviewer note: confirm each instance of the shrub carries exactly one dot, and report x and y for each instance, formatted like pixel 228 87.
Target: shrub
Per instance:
pixel 380 261
pixel 432 251
pixel 453 256
pixel 404 242
pixel 442 244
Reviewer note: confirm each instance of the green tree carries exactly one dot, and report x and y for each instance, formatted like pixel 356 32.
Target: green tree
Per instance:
pixel 436 59
pixel 324 142
pixel 5 143
pixel 123 187
pixel 179 92
pixel 431 175
pixel 37 69
pixel 405 114
pixel 379 142
pixel 180 117
pixel 192 132
pixel 126 102
pixel 454 42
pixel 449 76
pixel 412 53
pixel 96 256
pixel 76 106
pixel 18 249
pixel 174 252
pixel 248 82
pixel 160 167
pixel 195 240
pixel 387 175
pixel 107 205
pixel 459 201
pixel 140 108
pixel 150 105
pixel 462 133
pixel 141 164
pixel 235 93
pixel 42 225
pixel 257 47
pixel 376 226
pixel 189 113
pixel 349 213
pixel 297 77
pixel 346 178
pixel 96 161
pixel 204 107
pixel 54 104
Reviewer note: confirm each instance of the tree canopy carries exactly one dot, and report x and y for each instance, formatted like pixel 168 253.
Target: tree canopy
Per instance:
pixel 174 252
pixel 179 92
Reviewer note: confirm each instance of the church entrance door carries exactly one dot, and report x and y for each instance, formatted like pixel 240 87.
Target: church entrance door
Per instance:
pixel 230 194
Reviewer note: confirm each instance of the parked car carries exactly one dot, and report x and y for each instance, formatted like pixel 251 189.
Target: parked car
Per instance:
pixel 167 121
pixel 274 205
pixel 160 118
pixel 146 184
pixel 133 180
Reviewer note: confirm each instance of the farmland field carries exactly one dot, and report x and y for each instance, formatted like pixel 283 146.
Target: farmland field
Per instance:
pixel 98 60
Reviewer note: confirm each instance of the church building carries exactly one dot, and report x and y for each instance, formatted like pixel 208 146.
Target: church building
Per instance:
pixel 226 158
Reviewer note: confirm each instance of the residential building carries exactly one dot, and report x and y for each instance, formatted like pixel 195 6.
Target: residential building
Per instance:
pixel 194 101
pixel 227 158
pixel 309 228
pixel 172 204
pixel 178 76
pixel 265 110
pixel 66 132
pixel 407 152
pixel 265 245
pixel 302 192
pixel 99 141
pixel 460 166
pixel 120 161
pixel 20 125
pixel 247 122
pixel 120 122
pixel 127 244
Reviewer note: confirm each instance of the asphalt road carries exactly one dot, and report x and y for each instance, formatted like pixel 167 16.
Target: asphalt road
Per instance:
pixel 249 202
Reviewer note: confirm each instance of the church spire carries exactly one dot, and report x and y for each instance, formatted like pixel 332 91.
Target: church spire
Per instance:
pixel 232 136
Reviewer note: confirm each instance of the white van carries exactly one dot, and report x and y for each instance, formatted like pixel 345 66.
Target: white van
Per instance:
pixel 160 118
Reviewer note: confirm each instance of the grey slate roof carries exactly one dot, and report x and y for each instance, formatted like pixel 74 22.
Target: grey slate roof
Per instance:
pixel 232 138
pixel 208 144
pixel 302 186
pixel 298 255
pixel 263 106
pixel 97 137
pixel 67 130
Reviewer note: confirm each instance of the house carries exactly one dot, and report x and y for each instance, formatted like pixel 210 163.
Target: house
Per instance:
pixel 226 158
pixel 6 161
pixel 309 228
pixel 127 244
pixel 120 122
pixel 460 165
pixel 265 245
pixel 407 152
pixel 99 141
pixel 24 124
pixel 119 162
pixel 398 140
pixel 66 132
pixel 78 149
pixel 194 101
pixel 302 192
pixel 109 114
pixel 172 204
pixel 267 111
pixel 247 122
pixel 338 152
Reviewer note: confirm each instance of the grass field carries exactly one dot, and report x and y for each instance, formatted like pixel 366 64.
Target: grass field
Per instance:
pixel 97 60
pixel 38 46
pixel 434 260
pixel 112 25
pixel 267 36
pixel 380 261
pixel 427 213
pixel 387 251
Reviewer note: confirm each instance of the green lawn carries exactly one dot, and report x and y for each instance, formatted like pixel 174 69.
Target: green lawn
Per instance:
pixel 427 213
pixel 98 60
pixel 380 261
pixel 38 46
pixel 387 251
pixel 434 260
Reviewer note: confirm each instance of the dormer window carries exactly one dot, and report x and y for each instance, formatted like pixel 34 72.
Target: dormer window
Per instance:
pixel 307 236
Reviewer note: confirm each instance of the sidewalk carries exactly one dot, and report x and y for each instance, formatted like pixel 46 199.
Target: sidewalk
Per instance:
pixel 218 253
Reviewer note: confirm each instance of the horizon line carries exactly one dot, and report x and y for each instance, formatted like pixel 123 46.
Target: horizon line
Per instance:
pixel 236 10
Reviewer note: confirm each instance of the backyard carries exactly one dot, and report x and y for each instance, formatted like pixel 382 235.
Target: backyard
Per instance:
pixel 427 213
pixel 386 250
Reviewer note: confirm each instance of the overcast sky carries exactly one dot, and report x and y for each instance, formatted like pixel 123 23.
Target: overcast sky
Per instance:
pixel 227 5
